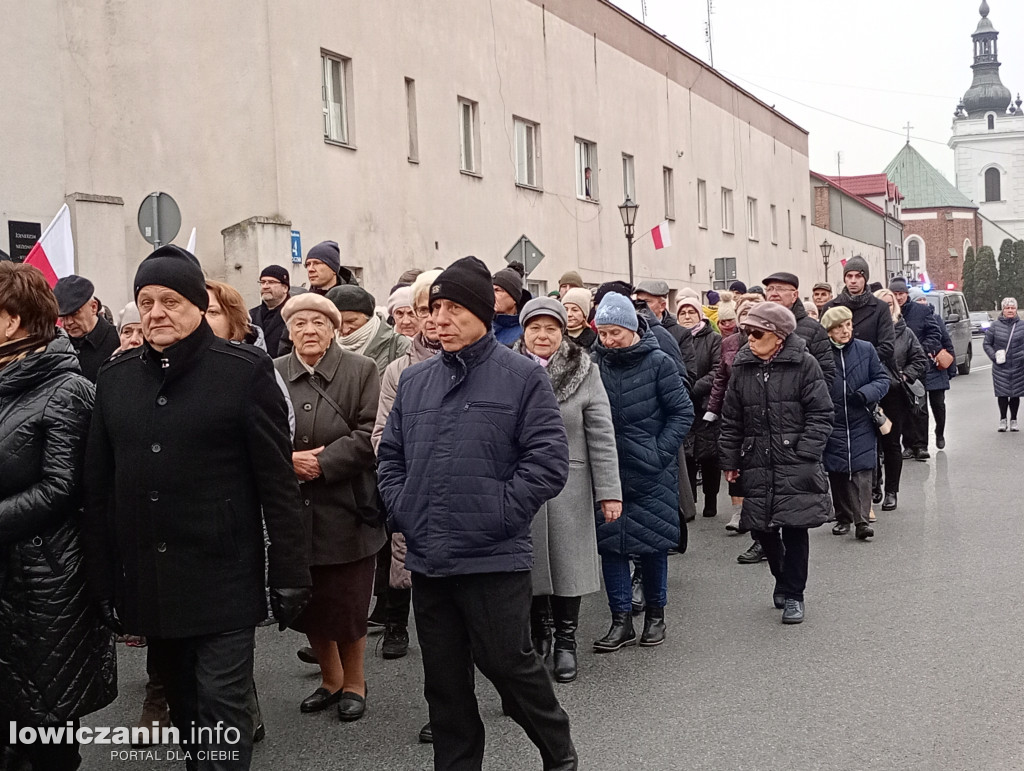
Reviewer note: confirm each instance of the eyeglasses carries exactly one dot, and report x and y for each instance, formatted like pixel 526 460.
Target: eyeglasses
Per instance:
pixel 757 334
pixel 422 312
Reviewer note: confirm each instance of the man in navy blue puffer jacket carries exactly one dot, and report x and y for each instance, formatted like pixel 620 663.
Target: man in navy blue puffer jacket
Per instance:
pixel 474 445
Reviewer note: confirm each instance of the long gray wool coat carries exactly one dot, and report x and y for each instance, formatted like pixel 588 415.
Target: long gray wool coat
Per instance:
pixel 565 560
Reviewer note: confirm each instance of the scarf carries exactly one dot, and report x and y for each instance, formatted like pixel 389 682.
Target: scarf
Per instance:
pixel 695 330
pixel 357 341
pixel 854 301
pixel 309 368
pixel 539 359
pixel 16 350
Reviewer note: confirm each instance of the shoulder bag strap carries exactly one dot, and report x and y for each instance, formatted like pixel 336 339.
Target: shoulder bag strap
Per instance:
pixel 313 381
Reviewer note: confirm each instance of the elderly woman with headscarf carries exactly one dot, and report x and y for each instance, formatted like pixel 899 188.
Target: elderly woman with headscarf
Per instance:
pixel 362 330
pixel 651 412
pixel 129 328
pixel 776 422
pixel 859 384
pixel 702 442
pixel 401 311
pixel 565 562
pixel 335 393
pixel 911 363
pixel 1006 350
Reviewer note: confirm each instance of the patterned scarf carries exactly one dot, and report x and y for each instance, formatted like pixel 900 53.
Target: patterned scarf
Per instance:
pixel 16 350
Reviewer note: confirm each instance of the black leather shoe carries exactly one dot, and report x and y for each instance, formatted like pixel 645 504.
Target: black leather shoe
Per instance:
pixel 396 641
pixel 426 735
pixel 889 504
pixel 864 531
pixel 306 655
pixel 876 495
pixel 921 454
pixel 259 734
pixel 709 512
pixel 654 628
pixel 940 441
pixel 841 528
pixel 566 617
pixel 753 555
pixel 908 454
pixel 778 598
pixel 352 706
pixel 320 699
pixel 794 612
pixel 619 635
pixel 565 664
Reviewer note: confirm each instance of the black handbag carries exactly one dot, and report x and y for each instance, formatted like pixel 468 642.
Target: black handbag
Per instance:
pixel 916 394
pixel 369 503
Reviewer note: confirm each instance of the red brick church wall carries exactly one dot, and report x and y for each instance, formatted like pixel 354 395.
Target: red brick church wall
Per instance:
pixel 940 235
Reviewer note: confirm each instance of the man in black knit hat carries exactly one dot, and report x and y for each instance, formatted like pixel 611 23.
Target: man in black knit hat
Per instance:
pixel 474 445
pixel 275 283
pixel 872 321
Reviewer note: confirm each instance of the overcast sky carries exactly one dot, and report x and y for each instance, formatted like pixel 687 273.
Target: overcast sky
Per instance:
pixel 880 62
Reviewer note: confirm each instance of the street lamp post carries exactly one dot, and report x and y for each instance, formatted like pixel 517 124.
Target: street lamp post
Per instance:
pixel 826 250
pixel 627 210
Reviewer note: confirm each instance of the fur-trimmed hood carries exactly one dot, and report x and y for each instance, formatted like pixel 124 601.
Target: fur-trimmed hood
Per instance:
pixel 568 367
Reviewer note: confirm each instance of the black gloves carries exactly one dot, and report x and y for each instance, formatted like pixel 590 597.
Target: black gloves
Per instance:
pixel 857 399
pixel 108 616
pixel 287 603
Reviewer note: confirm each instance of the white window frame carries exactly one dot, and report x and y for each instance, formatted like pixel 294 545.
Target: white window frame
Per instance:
pixel 722 276
pixel 669 186
pixel 702 204
pixel 336 92
pixel 728 212
pixel 751 218
pixel 410 110
pixel 774 216
pixel 586 157
pixel 628 177
pixel 469 137
pixel 527 143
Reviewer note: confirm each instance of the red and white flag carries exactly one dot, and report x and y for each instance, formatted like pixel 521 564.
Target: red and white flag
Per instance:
pixel 660 236
pixel 54 252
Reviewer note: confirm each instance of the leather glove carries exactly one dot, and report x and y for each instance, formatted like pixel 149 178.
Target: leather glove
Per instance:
pixel 288 602
pixel 108 616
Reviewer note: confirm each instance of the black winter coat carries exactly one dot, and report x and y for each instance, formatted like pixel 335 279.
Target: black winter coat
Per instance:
pixel 474 445
pixel 1007 334
pixel 923 322
pixel 652 412
pixel 910 360
pixel 702 441
pixel 585 339
pixel 57 661
pixel 936 379
pixel 96 347
pixel 273 326
pixel 684 340
pixel 872 322
pixel 187 446
pixel 860 382
pixel 776 421
pixel 818 343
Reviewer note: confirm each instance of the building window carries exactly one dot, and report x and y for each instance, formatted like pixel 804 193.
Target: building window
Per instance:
pixel 410 111
pixel 337 85
pixel 469 136
pixel 586 170
pixel 993 183
pixel 789 227
pixel 527 170
pixel 702 203
pixel 803 232
pixel 752 219
pixel 537 288
pixel 628 180
pixel 727 214
pixel 670 193
pixel 914 250
pixel 991 121
pixel 725 272
pixel 774 217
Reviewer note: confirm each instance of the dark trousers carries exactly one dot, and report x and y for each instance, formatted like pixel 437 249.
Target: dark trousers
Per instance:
pixel 208 680
pixel 1013 403
pixel 484 619
pixel 896 408
pixel 937 400
pixel 399 602
pixel 915 429
pixel 712 480
pixel 851 495
pixel 653 569
pixel 787 550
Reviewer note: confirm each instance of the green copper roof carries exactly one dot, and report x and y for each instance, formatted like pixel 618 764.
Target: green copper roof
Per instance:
pixel 921 184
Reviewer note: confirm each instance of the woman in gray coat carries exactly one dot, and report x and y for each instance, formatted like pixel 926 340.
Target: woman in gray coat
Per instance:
pixel 335 396
pixel 565 562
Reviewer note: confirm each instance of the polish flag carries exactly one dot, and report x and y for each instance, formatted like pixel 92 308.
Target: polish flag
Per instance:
pixel 54 253
pixel 660 236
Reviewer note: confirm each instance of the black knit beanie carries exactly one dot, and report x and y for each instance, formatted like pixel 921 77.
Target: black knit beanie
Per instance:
pixel 173 267
pixel 468 283
pixel 510 280
pixel 857 264
pixel 352 298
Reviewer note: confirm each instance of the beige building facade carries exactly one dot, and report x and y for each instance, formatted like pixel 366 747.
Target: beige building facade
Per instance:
pixel 411 133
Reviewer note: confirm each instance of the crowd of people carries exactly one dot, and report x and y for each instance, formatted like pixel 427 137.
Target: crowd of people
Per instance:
pixel 466 453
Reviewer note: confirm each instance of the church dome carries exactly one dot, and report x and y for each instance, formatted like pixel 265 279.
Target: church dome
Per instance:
pixel 987 93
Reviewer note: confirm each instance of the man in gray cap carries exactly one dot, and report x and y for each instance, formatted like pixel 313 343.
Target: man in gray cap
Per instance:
pixel 93 337
pixel 821 295
pixel 784 288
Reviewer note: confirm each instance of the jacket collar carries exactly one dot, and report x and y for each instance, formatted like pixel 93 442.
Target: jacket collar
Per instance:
pixel 506 321
pixel 177 359
pixel 799 311
pixel 471 355
pixel 326 368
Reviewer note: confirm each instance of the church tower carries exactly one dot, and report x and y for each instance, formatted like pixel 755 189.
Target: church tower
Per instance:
pixel 988 137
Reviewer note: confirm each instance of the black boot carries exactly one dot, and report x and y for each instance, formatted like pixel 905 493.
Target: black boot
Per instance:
pixel 540 627
pixel 566 611
pixel 654 628
pixel 619 635
pixel 638 590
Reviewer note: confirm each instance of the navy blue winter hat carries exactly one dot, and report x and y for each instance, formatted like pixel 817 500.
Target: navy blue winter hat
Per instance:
pixel 173 267
pixel 617 309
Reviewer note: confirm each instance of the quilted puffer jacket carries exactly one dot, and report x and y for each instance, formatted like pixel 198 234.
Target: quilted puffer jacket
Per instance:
pixel 860 381
pixel 1007 335
pixel 474 445
pixel 776 421
pixel 57 662
pixel 652 412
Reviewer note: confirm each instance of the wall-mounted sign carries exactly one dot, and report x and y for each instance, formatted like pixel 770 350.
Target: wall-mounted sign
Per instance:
pixel 22 237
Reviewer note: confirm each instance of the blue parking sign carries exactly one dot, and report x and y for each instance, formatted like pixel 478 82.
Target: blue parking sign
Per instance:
pixel 296 248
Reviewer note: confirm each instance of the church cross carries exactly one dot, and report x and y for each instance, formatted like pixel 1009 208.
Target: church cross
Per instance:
pixel 908 127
